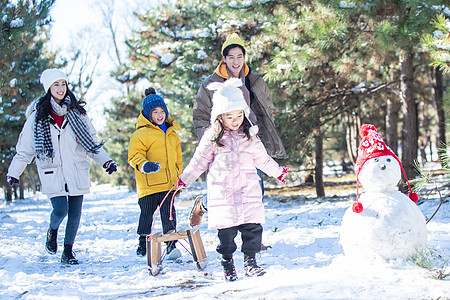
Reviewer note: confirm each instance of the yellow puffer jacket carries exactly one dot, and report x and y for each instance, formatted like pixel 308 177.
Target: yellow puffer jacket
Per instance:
pixel 150 143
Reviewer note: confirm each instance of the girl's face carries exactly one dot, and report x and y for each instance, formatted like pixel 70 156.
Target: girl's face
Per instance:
pixel 233 119
pixel 58 90
pixel 158 115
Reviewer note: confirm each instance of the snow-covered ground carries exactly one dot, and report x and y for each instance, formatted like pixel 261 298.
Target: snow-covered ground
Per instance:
pixel 305 261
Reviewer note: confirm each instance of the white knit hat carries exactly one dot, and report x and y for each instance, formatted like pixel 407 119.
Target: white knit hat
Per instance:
pixel 229 97
pixel 49 76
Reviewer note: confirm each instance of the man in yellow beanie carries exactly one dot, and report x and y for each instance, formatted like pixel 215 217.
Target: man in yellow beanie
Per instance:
pixel 256 93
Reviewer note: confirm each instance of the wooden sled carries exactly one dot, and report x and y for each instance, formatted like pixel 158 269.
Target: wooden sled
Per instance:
pixel 153 243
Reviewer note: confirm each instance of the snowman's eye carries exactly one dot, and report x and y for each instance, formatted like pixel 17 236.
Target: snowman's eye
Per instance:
pixel 388 160
pixel 376 159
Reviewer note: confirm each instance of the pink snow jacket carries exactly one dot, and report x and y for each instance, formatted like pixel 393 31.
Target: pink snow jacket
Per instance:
pixel 233 188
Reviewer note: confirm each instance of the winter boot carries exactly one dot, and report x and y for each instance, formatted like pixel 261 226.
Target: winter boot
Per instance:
pixel 142 248
pixel 251 268
pixel 229 270
pixel 68 257
pixel 51 245
pixel 195 217
pixel 172 252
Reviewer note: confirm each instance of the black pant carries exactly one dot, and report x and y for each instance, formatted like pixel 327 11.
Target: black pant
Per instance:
pixel 251 235
pixel 148 205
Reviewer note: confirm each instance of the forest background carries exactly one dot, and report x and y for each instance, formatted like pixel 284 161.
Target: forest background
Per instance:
pixel 330 65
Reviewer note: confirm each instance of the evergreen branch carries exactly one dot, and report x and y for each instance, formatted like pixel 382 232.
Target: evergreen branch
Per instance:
pixel 439 206
pixel 346 93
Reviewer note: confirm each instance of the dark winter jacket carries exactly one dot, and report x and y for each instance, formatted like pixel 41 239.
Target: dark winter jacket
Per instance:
pixel 261 105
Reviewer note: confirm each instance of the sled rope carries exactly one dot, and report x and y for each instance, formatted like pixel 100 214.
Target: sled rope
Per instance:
pixel 159 207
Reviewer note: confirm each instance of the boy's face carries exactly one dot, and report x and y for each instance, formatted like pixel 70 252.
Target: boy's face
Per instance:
pixel 232 120
pixel 235 61
pixel 158 115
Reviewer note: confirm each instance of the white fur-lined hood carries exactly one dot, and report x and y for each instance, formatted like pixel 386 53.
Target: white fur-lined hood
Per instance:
pixel 31 108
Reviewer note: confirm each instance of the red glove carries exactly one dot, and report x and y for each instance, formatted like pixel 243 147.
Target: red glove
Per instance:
pixel 283 174
pixel 181 184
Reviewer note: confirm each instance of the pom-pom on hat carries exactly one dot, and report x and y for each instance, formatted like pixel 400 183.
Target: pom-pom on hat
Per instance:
pixel 229 97
pixel 49 76
pixel 151 102
pixel 233 39
pixel 371 146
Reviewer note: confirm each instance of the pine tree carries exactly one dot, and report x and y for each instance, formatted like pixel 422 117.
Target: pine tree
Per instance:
pixel 335 60
pixel 401 24
pixel 438 44
pixel 21 63
pixel 177 46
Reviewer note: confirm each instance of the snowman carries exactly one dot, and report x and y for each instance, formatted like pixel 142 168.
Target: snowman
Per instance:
pixel 383 222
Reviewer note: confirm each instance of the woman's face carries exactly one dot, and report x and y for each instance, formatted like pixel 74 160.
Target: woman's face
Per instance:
pixel 58 90
pixel 235 61
pixel 158 115
pixel 232 120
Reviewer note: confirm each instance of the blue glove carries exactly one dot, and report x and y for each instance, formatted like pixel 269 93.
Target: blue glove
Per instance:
pixel 12 180
pixel 110 167
pixel 150 167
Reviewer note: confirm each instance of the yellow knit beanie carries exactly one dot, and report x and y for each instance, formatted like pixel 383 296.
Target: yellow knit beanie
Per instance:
pixel 233 39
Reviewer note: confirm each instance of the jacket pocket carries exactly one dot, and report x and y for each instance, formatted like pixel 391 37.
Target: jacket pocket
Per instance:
pixel 82 171
pixel 51 180
pixel 253 187
pixel 158 178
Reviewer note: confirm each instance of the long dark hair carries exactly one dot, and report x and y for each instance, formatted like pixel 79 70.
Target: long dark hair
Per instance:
pixel 245 127
pixel 44 108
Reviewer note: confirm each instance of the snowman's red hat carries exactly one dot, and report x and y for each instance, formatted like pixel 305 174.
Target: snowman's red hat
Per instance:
pixel 371 146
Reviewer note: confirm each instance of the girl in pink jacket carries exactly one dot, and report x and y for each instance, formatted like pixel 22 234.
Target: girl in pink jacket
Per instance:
pixel 231 152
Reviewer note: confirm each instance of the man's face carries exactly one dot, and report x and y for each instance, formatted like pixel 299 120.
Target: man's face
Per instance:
pixel 234 61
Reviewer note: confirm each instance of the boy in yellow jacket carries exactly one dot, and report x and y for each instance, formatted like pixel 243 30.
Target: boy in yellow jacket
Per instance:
pixel 155 154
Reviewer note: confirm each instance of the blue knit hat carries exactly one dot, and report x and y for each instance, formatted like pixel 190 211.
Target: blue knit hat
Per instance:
pixel 151 102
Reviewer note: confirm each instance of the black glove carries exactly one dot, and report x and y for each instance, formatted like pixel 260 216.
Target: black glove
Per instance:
pixel 12 180
pixel 110 167
pixel 150 167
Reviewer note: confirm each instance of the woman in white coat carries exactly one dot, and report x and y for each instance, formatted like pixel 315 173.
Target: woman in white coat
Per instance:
pixel 60 135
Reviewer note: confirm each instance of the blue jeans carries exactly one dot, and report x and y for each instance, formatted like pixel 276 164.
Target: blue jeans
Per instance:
pixel 204 204
pixel 69 206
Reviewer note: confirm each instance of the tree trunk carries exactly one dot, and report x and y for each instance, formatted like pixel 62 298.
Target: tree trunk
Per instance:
pixel 21 188
pixel 409 110
pixel 436 75
pixel 32 182
pixel 320 190
pixel 8 193
pixel 352 136
pixel 393 107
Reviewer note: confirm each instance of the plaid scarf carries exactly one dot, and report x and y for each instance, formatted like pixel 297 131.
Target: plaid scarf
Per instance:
pixel 42 136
